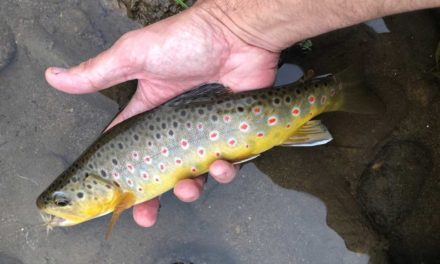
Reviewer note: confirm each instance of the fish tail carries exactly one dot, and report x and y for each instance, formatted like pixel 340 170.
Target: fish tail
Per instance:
pixel 355 95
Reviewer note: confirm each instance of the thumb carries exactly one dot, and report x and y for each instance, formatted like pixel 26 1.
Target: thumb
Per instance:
pixel 109 68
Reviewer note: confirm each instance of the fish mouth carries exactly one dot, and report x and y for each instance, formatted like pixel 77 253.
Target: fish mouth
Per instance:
pixel 51 221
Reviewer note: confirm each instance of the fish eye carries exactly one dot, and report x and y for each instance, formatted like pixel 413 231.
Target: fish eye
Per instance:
pixel 61 200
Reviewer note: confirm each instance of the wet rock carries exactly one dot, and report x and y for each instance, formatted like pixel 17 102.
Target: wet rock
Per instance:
pixel 8 47
pixel 6 259
pixel 149 11
pixel 392 182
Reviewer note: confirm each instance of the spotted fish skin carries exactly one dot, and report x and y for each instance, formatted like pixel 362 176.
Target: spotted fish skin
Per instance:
pixel 149 153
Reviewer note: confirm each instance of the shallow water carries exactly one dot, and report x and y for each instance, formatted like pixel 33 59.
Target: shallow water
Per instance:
pixel 292 205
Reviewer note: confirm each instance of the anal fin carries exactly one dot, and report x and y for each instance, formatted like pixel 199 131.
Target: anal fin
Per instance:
pixel 126 201
pixel 312 133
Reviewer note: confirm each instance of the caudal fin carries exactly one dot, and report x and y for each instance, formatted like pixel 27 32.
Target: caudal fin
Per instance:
pixel 355 95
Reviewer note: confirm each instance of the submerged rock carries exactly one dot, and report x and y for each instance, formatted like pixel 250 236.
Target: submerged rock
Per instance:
pixel 392 182
pixel 8 47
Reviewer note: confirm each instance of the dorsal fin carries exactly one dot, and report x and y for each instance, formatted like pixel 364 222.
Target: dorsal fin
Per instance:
pixel 127 200
pixel 203 94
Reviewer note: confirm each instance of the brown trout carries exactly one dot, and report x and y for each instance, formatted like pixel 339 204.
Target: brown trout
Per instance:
pixel 148 154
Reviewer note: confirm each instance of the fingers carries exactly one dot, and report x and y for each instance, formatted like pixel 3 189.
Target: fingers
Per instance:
pixel 111 67
pixel 145 214
pixel 189 190
pixel 223 171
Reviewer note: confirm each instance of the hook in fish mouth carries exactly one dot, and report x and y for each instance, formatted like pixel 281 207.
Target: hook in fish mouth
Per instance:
pixel 51 221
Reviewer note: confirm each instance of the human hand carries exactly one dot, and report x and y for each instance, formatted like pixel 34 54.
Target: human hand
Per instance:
pixel 169 58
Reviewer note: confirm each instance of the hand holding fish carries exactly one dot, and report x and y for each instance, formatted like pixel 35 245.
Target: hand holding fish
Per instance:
pixel 169 58
pixel 221 41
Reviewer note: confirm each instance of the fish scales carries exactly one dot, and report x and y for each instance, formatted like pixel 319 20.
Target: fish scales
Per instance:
pixel 149 153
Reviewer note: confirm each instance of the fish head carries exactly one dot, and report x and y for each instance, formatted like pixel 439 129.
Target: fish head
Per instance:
pixel 67 203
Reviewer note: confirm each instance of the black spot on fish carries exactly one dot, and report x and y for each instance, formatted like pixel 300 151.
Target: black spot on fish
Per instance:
pixel 276 101
pixel 240 109
pixel 150 143
pixel 98 154
pixel 270 93
pixel 151 127
pixel 136 137
pixel 158 136
pixel 325 83
pixel 183 113
pixel 103 173
pixel 228 104
pixel 86 174
pixel 298 91
pixel 80 195
pixel 115 162
pixel 89 186
pixel 74 180
pixel 171 133
pixel 164 125
pixel 158 119
pixel 175 124
pixel 201 111
pixel 112 145
pixel 287 99
pixel 108 186
pixel 214 118
pixel 255 97
pixel 116 183
pixel 209 107
pixel 90 165
pixel 95 182
pixel 248 100
pixel 120 146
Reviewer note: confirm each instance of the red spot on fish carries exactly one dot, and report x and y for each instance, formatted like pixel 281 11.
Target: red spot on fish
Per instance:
pixel 288 125
pixel 201 151
pixel 311 99
pixel 332 92
pixel 272 121
pixel 164 151
pixel 147 159
pixel 144 175
pixel 227 118
pixel 188 125
pixel 161 167
pixel 244 127
pixel 200 126
pixel 129 182
pixel 194 169
pixel 218 154
pixel 256 110
pixel 296 111
pixel 323 99
pixel 150 144
pixel 135 155
pixel 232 142
pixel 115 175
pixel 184 144
pixel 156 179
pixel 213 135
pixel 260 135
pixel 130 167
pixel 178 161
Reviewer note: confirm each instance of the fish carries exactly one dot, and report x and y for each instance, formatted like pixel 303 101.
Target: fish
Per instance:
pixel 146 155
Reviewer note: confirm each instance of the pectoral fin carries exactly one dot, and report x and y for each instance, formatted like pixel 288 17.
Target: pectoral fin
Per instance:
pixel 126 201
pixel 312 133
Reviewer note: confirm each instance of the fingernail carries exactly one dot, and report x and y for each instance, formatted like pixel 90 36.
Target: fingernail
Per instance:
pixel 57 70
